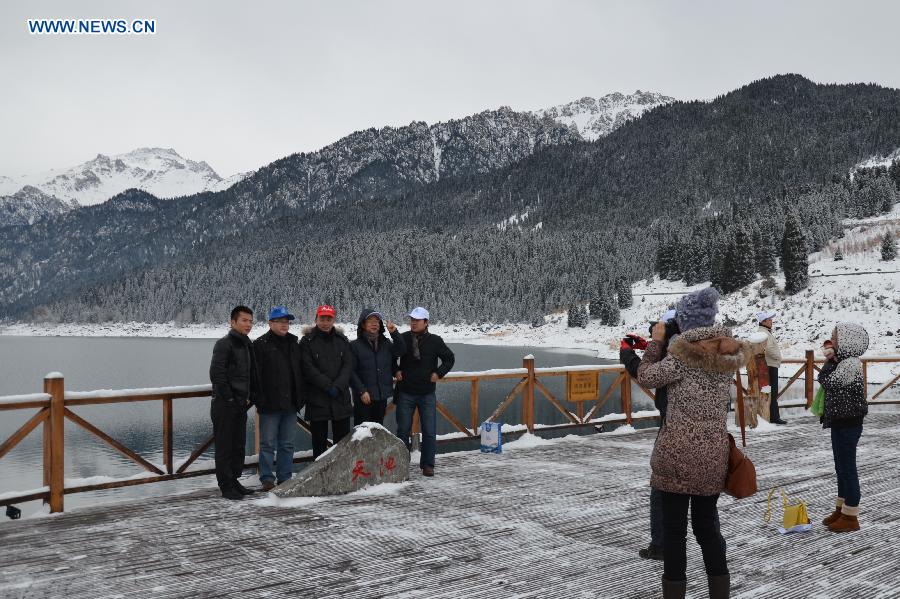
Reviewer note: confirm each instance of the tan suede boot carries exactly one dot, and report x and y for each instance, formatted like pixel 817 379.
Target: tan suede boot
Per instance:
pixel 836 513
pixel 848 521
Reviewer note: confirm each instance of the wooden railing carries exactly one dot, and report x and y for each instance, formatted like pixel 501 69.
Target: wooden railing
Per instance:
pixel 601 381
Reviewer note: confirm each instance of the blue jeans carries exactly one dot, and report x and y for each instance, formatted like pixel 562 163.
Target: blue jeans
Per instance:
pixel 427 406
pixel 276 431
pixel 843 445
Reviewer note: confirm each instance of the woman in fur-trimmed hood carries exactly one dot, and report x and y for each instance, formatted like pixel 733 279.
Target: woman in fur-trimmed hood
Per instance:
pixel 690 458
pixel 845 409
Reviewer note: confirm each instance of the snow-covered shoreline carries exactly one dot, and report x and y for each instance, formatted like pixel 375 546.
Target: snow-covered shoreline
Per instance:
pixel 859 288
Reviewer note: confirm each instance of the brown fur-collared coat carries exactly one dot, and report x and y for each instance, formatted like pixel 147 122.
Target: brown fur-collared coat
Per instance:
pixel 691 452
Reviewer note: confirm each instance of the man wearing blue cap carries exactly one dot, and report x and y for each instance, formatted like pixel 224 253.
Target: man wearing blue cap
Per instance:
pixel 281 382
pixel 419 371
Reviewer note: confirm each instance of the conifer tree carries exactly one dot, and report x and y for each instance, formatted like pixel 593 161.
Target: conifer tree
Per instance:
pixel 794 256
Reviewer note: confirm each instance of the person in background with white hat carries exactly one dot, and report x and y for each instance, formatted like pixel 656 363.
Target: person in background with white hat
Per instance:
pixel 773 361
pixel 419 371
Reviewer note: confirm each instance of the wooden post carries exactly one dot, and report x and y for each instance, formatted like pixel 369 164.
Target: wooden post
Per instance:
pixel 167 434
pixel 739 399
pixel 866 380
pixel 626 396
pixel 54 385
pixel 48 454
pixel 528 397
pixel 473 406
pixel 810 376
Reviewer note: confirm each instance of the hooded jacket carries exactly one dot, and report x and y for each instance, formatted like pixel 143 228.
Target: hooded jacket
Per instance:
pixel 842 378
pixel 691 451
pixel 374 369
pixel 327 362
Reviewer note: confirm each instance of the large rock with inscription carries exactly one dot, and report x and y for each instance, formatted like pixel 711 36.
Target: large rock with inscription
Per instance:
pixel 370 455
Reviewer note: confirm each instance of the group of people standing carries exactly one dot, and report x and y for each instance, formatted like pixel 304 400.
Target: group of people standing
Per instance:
pixel 337 381
pixel 690 361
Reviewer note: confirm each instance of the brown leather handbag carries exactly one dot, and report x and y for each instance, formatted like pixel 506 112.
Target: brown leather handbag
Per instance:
pixel 740 482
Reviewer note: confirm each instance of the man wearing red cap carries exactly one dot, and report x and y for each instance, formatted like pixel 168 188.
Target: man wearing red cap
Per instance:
pixel 327 366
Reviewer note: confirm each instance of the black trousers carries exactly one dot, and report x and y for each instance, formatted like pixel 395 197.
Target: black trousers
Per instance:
pixel 374 412
pixel 774 414
pixel 230 433
pixel 319 429
pixel 704 522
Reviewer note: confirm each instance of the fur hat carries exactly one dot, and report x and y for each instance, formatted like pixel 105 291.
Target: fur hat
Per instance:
pixel 697 309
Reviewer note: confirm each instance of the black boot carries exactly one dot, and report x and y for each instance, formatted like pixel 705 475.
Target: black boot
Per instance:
pixel 719 586
pixel 673 589
pixel 651 552
pixel 232 493
pixel 242 489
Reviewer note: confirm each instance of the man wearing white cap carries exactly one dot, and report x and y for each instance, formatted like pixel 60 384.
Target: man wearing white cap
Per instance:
pixel 416 378
pixel 773 361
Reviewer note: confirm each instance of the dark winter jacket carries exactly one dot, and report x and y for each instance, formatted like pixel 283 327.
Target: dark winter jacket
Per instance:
pixel 417 373
pixel 374 371
pixel 233 370
pixel 327 363
pixel 842 378
pixel 280 373
pixel 631 361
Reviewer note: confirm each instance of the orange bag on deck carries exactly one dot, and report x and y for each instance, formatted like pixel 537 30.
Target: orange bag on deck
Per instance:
pixel 740 482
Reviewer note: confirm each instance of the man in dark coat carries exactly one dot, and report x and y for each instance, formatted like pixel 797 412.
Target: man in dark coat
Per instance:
pixel 327 366
pixel 375 357
pixel 419 371
pixel 281 382
pixel 629 358
pixel 235 384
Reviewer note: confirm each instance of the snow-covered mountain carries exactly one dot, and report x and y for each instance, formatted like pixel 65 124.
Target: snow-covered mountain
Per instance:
pixel 27 204
pixel 160 171
pixel 595 117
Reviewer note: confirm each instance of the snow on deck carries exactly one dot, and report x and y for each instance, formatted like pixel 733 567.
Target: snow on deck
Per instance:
pixel 558 518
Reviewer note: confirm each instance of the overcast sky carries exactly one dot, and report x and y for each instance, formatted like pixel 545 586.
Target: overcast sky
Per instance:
pixel 239 84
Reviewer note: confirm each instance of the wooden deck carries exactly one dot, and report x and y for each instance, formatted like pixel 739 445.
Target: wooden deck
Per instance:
pixel 559 520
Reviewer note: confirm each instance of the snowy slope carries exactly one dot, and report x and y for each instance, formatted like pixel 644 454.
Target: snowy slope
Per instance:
pixel 596 117
pixel 160 171
pixel 28 204
pixel 884 161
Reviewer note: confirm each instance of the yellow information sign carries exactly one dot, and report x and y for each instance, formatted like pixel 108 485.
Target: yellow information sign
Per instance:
pixel 582 386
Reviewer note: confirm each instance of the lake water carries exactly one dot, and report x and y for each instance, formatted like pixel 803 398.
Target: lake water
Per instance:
pixel 120 363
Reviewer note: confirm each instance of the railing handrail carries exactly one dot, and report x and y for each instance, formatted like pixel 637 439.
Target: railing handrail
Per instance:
pixel 53 408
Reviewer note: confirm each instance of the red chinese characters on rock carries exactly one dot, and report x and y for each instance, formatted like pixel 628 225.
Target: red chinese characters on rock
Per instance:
pixel 385 466
pixel 388 464
pixel 360 470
